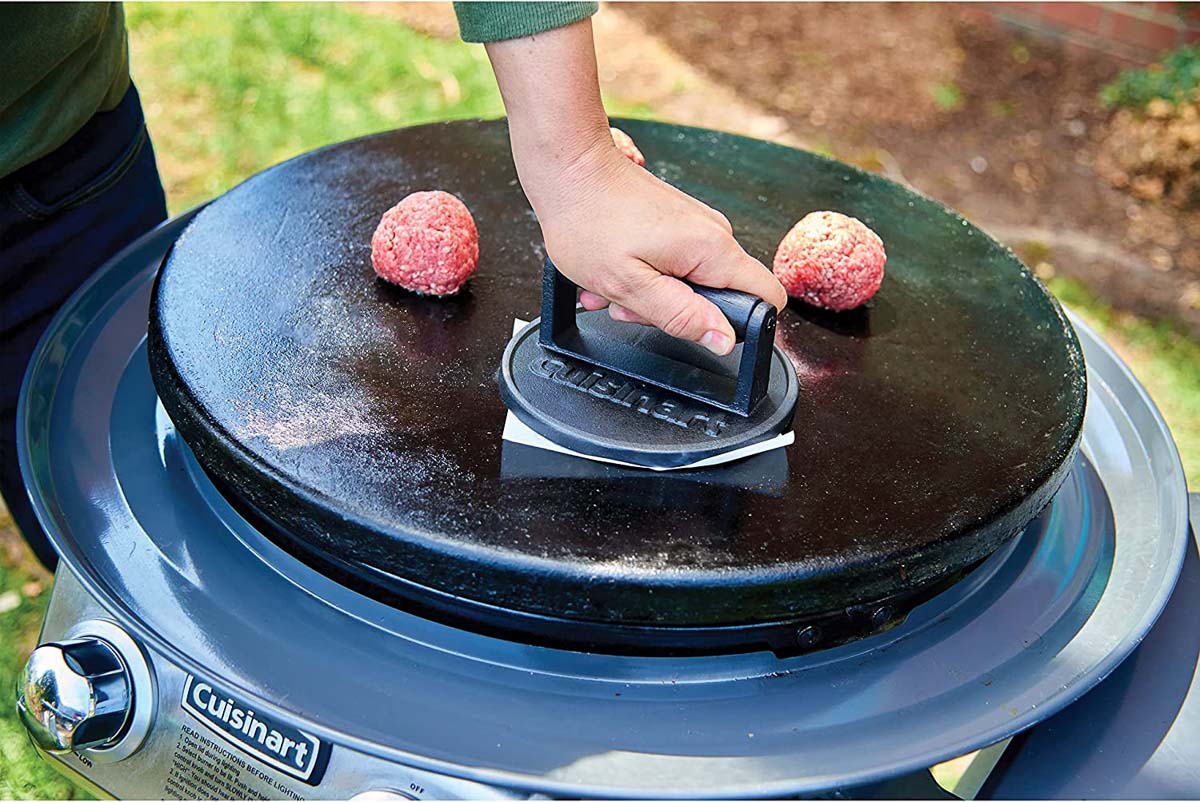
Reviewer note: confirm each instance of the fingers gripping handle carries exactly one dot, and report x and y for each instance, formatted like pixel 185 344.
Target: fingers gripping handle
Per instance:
pixel 739 308
pixel 752 320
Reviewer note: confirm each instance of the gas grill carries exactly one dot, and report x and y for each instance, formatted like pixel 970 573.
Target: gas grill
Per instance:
pixel 299 560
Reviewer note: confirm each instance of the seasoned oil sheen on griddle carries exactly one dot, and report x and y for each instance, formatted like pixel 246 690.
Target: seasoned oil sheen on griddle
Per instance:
pixel 364 422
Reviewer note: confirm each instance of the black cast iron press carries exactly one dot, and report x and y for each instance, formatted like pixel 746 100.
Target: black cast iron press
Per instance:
pixel 632 393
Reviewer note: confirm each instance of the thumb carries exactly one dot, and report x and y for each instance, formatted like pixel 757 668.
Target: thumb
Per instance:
pixel 672 306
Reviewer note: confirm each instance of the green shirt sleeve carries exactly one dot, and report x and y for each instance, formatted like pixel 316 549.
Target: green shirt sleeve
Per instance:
pixel 60 63
pixel 493 22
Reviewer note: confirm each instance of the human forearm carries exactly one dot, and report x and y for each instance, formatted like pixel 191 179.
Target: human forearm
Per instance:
pixel 619 232
pixel 552 95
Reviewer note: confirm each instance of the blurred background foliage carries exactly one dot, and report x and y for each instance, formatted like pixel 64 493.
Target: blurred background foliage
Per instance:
pixel 1175 79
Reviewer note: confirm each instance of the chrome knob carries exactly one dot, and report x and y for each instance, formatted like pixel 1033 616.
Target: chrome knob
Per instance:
pixel 74 695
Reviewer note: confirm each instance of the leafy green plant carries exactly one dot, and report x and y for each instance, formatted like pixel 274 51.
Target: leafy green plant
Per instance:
pixel 1175 80
pixel 947 96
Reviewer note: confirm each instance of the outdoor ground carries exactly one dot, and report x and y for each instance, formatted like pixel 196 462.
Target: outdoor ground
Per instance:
pixel 1002 128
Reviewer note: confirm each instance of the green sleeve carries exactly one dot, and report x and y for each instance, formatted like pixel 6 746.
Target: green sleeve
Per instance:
pixel 492 22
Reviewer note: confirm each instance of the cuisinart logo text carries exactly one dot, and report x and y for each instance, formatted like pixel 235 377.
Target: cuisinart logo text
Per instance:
pixel 636 396
pixel 277 744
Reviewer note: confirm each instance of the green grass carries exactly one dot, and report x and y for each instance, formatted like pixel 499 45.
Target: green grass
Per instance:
pixel 232 88
pixel 1162 356
pixel 22 774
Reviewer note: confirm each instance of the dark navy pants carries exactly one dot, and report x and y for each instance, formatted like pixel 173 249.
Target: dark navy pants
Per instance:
pixel 62 217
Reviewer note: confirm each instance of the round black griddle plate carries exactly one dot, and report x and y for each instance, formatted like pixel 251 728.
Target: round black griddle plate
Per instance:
pixel 362 424
pixel 602 413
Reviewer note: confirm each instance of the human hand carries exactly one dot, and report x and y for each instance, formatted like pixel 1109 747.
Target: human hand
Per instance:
pixel 627 238
pixel 620 233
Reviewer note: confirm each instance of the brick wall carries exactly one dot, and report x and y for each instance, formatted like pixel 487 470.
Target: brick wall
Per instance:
pixel 1134 31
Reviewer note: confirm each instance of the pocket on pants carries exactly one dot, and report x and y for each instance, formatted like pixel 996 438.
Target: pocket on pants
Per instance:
pixel 36 203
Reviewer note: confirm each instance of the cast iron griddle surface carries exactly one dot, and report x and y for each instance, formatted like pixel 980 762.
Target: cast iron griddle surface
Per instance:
pixel 365 421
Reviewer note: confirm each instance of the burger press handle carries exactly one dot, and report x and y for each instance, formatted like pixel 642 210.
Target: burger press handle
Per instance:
pixel 752 319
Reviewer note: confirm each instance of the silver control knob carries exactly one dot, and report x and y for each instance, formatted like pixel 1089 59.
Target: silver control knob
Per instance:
pixel 74 695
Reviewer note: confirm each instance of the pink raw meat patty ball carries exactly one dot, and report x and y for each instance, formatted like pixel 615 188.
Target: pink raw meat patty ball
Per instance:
pixel 426 243
pixel 830 260
pixel 625 144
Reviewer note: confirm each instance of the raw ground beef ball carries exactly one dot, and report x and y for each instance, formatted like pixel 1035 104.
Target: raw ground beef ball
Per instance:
pixel 625 144
pixel 830 260
pixel 426 243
